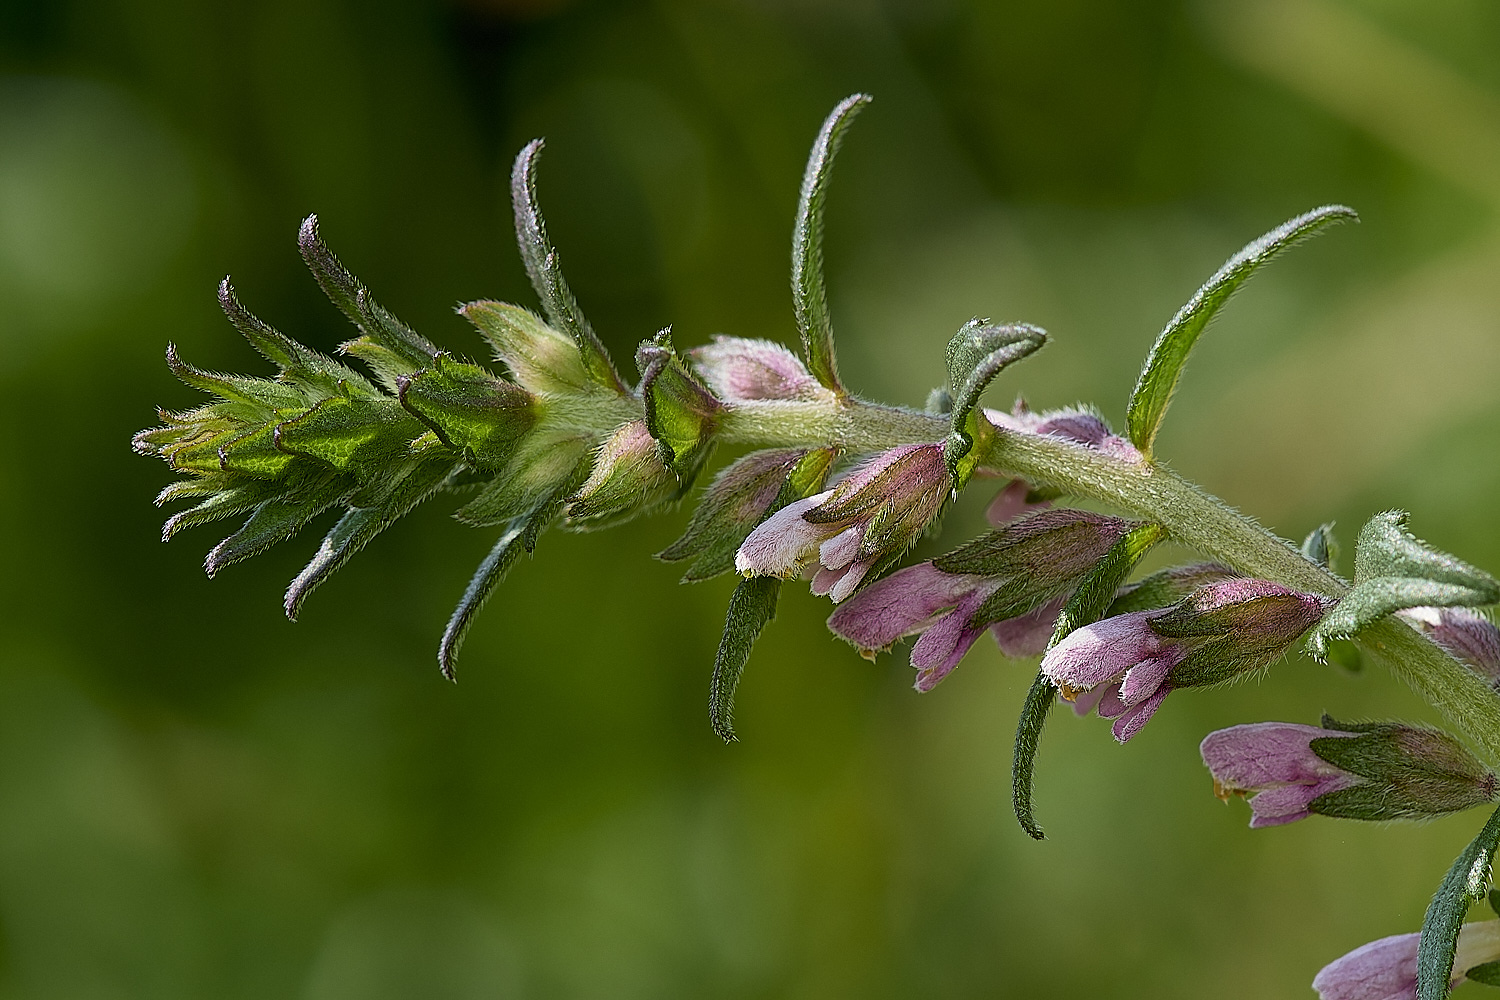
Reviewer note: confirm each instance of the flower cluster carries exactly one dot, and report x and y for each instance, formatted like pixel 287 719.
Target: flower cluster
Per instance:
pixel 840 490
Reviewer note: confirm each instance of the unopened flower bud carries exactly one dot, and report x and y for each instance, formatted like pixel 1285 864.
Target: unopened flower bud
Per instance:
pixel 1076 424
pixel 1126 665
pixel 741 370
pixel 1372 771
pixel 629 478
pixel 541 359
pixel 874 514
pixel 1387 969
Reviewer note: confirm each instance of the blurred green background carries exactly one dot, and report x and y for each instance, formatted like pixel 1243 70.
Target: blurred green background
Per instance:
pixel 199 799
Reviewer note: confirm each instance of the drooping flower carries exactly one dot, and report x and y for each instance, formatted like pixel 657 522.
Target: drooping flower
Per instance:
pixel 1387 969
pixel 1012 581
pixel 1468 636
pixel 876 513
pixel 1126 665
pixel 1370 771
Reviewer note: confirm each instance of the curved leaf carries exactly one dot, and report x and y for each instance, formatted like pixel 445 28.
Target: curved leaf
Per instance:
pixel 1153 391
pixel 1466 881
pixel 809 295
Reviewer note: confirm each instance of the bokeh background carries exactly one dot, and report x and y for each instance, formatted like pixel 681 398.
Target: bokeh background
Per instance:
pixel 199 799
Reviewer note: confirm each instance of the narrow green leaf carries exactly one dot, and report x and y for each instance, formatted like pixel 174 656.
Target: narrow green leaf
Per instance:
pixel 519 536
pixel 1466 881
pixel 1153 391
pixel 1087 605
pixel 809 294
pixel 976 354
pixel 751 607
pixel 1034 711
pixel 274 521
pixel 545 270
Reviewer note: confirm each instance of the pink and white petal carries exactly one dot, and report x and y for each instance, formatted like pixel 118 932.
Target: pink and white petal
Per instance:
pixel 783 542
pixel 942 646
pixel 849 579
pixel 840 550
pixel 1103 651
pixel 1142 680
pixel 1263 754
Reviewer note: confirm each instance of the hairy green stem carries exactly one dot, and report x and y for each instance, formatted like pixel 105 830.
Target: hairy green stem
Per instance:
pixel 1191 517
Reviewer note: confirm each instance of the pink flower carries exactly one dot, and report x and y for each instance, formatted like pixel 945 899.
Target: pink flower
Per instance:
pixel 1075 424
pixel 1021 576
pixel 1387 969
pixel 1126 665
pixel 1274 762
pixel 875 513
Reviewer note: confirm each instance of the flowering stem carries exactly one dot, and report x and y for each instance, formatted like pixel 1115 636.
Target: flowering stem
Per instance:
pixel 1190 516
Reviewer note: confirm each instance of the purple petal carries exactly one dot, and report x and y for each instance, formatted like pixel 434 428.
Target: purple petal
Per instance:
pixel 1103 651
pixel 945 643
pixel 900 604
pixel 1110 704
pixel 1137 716
pixel 1142 680
pixel 1467 636
pixel 1287 803
pixel 1029 634
pixel 1266 754
pixel 1087 700
pixel 1381 970
pixel 849 579
pixel 783 541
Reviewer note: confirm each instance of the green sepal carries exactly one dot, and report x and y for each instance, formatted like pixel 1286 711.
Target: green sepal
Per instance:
pixel 629 478
pixel 545 271
pixel 360 524
pixel 1321 547
pixel 254 453
pixel 1089 603
pixel 681 413
pixel 1486 974
pixel 252 400
pixel 533 472
pixel 742 496
pixel 1166 587
pixel 519 536
pixel 809 293
pixel 976 354
pixel 469 409
pixel 354 435
pixel 301 366
pixel 1158 379
pixel 388 345
pixel 1411 772
pixel 228 501
pixel 1466 881
pixel 751 608
pixel 277 520
pixel 540 358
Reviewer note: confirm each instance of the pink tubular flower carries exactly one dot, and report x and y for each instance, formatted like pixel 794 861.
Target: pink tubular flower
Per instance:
pixel 877 511
pixel 1012 581
pixel 1125 666
pixel 1387 969
pixel 1274 762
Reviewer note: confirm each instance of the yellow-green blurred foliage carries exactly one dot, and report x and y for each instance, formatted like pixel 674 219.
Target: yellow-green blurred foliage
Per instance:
pixel 198 799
